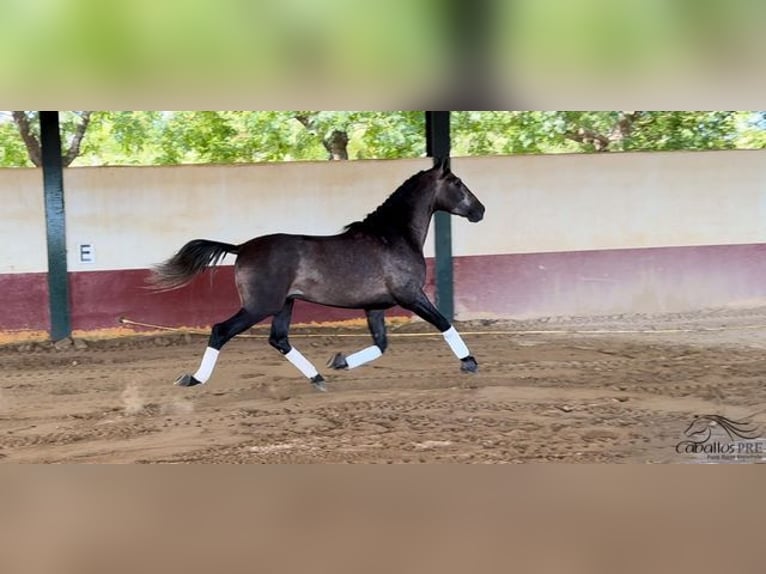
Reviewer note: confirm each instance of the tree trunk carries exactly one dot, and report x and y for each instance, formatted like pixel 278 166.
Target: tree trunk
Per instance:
pixel 25 130
pixel 620 131
pixel 74 145
pixel 623 128
pixel 589 137
pixel 33 143
pixel 337 145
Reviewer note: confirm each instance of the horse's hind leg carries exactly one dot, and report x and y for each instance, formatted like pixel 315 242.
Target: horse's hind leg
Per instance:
pixel 280 326
pixel 377 323
pixel 423 308
pixel 220 334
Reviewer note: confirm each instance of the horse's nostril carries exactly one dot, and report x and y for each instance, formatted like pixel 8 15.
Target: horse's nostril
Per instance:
pixel 477 214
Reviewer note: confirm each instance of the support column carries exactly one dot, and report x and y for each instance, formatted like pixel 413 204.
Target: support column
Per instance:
pixel 438 147
pixel 53 186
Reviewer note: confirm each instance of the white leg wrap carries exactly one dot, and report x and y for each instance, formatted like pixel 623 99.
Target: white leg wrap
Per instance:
pixel 455 342
pixel 206 367
pixel 301 363
pixel 364 356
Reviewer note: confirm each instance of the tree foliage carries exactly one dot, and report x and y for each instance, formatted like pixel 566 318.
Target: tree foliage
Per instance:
pixel 162 138
pixel 13 152
pixel 479 133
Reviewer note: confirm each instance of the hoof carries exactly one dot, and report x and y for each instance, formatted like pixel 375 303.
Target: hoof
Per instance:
pixel 338 361
pixel 187 381
pixel 318 383
pixel 469 365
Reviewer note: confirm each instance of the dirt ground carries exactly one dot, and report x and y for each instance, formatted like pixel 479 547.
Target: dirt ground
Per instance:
pixel 613 389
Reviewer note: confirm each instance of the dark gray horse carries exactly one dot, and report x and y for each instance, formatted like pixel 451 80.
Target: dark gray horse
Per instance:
pixel 373 265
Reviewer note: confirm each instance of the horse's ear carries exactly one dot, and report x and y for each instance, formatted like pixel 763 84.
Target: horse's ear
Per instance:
pixel 443 165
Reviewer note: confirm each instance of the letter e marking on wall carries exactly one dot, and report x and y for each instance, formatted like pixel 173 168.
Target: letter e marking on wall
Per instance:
pixel 86 253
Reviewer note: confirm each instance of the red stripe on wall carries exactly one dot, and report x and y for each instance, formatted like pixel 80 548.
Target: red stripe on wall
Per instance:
pixel 100 298
pixel 664 279
pixel 653 280
pixel 24 302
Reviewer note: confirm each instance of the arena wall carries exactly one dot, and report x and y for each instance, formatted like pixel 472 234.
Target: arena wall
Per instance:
pixel 563 235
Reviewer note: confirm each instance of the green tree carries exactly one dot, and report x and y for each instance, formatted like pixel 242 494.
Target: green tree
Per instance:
pixel 229 137
pixel 150 138
pixel 13 152
pixel 478 133
pixel 752 131
pixel 362 135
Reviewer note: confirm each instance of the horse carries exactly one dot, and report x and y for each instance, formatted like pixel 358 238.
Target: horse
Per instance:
pixel 373 264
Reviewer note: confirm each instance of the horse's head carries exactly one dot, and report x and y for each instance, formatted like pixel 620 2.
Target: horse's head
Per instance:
pixel 453 196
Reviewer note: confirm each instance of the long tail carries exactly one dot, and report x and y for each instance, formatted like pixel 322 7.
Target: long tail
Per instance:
pixel 191 259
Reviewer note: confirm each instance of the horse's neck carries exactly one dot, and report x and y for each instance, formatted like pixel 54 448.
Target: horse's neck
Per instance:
pixel 420 218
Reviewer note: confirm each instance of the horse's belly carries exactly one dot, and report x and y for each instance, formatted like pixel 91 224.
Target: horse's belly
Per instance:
pixel 343 294
pixel 346 300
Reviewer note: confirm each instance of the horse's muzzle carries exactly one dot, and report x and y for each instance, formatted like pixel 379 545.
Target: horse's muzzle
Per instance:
pixel 476 214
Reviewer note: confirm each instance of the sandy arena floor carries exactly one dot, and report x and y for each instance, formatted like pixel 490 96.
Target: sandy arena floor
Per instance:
pixel 619 389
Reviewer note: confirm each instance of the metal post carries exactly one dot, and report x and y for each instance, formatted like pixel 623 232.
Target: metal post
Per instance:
pixel 438 147
pixel 53 186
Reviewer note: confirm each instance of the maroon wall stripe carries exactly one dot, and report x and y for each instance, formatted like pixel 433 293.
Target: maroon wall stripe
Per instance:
pixel 513 285
pixel 663 279
pixel 24 302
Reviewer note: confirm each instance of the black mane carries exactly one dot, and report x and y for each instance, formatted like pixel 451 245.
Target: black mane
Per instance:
pixel 391 215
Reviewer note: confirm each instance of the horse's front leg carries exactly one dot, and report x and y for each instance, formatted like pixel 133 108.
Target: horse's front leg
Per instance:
pixel 419 304
pixel 377 324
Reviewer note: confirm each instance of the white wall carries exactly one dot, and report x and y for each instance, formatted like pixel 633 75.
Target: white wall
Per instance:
pixel 610 201
pixel 136 216
pixel 22 221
